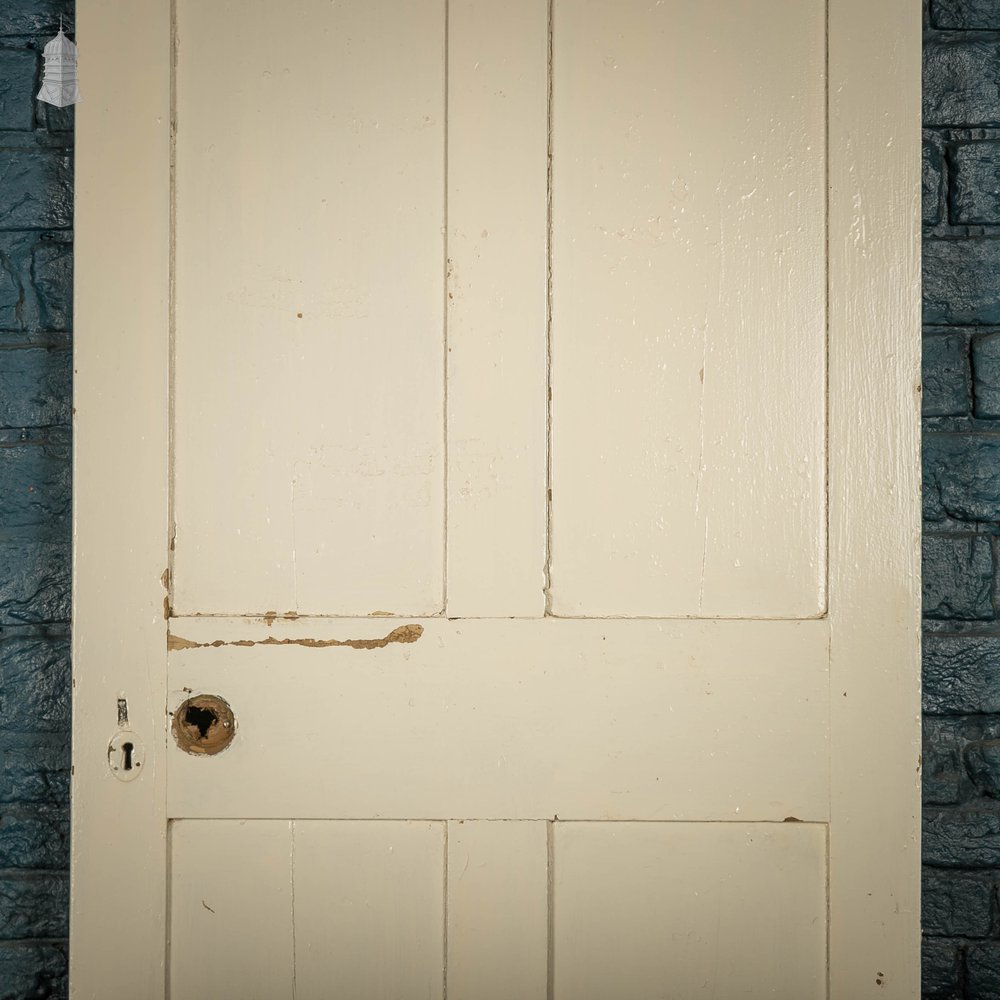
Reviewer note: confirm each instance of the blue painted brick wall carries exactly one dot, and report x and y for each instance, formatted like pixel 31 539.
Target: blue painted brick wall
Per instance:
pixel 961 503
pixel 36 253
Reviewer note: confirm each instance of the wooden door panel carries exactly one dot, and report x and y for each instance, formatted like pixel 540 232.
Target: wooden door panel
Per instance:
pixel 230 905
pixel 271 909
pixel 688 309
pixel 493 719
pixel 274 909
pixel 690 910
pixel 369 910
pixel 309 269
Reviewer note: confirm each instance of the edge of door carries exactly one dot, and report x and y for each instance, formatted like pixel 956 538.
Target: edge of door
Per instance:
pixel 118 854
pixel 874 88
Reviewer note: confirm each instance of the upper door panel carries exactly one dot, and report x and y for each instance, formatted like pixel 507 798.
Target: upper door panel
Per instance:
pixel 688 332
pixel 309 308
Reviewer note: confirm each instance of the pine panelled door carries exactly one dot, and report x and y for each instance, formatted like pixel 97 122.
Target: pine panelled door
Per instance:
pixel 512 521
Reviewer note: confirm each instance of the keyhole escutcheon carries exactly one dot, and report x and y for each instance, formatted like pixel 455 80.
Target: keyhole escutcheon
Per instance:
pixel 126 755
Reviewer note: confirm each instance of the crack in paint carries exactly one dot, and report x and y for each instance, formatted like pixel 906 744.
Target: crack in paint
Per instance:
pixel 405 633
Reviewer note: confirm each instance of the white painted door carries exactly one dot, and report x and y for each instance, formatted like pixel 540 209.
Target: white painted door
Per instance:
pixel 508 411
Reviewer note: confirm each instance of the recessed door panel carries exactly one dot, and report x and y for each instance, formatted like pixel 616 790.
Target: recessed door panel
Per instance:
pixel 688 340
pixel 309 309
pixel 690 910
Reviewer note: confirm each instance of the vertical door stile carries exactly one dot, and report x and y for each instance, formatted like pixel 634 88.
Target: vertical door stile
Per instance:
pixel 497 910
pixel 496 397
pixel 121 306
pixel 874 154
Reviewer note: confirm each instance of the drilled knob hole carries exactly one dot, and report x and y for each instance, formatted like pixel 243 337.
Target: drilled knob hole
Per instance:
pixel 201 719
pixel 204 724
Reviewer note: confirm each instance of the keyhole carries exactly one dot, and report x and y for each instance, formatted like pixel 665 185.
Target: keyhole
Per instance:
pixel 127 749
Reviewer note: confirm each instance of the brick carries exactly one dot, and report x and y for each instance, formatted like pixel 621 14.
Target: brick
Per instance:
pixel 931 172
pixel 35 485
pixel 982 764
pixel 35 774
pixel 960 286
pixel 940 975
pixel 36 281
pixel 967 15
pixel 52 278
pixel 961 674
pixel 33 971
pixel 961 838
pixel 34 905
pixel 946 379
pixel 961 477
pixel 957 578
pixel 30 17
pixel 35 681
pixel 36 388
pixel 53 119
pixel 35 581
pixel 18 79
pixel 34 837
pixel 957 905
pixel 945 780
pixel 36 189
pixel 14 277
pixel 985 357
pixel 961 83
pixel 982 962
pixel 974 189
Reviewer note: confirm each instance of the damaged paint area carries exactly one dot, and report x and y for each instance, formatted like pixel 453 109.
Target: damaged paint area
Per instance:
pixel 405 633
pixel 204 725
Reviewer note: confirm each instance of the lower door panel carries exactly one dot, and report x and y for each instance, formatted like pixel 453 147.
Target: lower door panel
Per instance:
pixel 477 910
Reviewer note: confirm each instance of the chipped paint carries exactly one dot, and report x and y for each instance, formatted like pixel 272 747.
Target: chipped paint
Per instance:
pixel 405 633
pixel 204 725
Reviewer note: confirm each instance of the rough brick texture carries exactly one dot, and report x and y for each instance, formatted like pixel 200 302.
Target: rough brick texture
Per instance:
pixel 974 196
pixel 961 82
pixel 30 969
pixel 947 382
pixel 983 969
pixel 36 280
pixel 972 15
pixel 958 578
pixel 960 286
pixel 961 674
pixel 985 361
pixel 942 971
pixel 932 183
pixel 961 503
pixel 959 905
pixel 962 477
